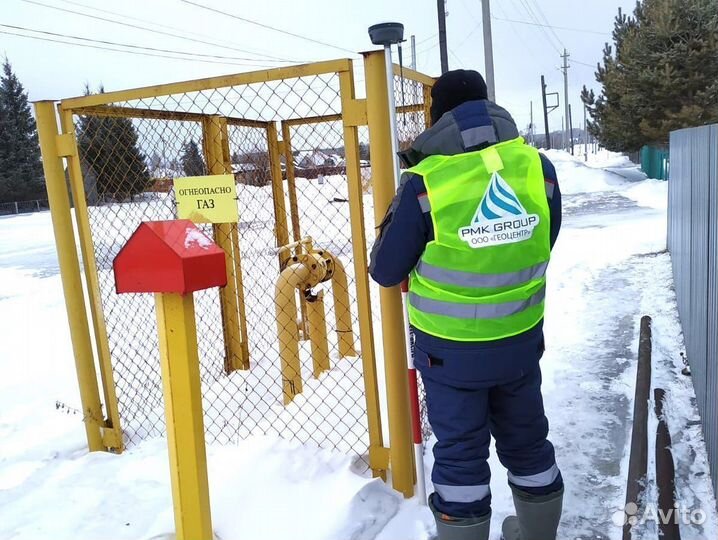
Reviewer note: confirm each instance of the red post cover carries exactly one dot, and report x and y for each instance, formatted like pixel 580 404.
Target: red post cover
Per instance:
pixel 169 257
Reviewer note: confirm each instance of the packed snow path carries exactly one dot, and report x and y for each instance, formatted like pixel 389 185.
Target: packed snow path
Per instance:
pixel 609 268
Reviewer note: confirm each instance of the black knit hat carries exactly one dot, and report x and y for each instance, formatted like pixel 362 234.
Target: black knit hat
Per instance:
pixel 454 88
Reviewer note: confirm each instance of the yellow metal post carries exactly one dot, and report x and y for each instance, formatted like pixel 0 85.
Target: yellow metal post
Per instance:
pixel 318 334
pixel 237 256
pixel 183 413
pixel 377 451
pixel 112 433
pixel 225 236
pixel 342 310
pixel 427 106
pixel 392 311
pixel 70 272
pixel 275 164
pixel 291 183
pixel 294 211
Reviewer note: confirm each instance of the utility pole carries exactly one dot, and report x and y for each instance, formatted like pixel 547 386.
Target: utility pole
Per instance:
pixel 545 113
pixel 413 52
pixel 570 127
pixel 488 49
pixel 441 7
pixel 585 135
pixel 565 56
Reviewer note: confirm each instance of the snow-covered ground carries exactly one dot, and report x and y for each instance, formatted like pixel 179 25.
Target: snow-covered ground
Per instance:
pixel 609 268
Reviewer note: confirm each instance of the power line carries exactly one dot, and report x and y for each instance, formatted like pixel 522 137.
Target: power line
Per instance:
pixel 216 43
pixel 539 58
pixel 532 16
pixel 471 33
pixel 432 36
pixel 138 53
pixel 471 13
pixel 128 45
pixel 593 66
pixel 430 48
pixel 551 26
pixel 543 19
pixel 150 29
pixel 456 57
pixel 266 26
pixel 476 20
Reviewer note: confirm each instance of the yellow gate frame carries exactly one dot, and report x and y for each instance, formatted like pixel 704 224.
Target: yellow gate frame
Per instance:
pixel 103 429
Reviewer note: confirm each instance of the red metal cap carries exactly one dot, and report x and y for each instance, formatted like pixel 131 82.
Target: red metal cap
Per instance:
pixel 169 257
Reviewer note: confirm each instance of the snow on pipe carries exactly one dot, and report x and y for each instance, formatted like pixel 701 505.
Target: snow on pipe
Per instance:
pixel 638 461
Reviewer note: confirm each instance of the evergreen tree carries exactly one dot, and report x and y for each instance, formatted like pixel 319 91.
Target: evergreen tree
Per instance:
pixel 110 152
pixel 192 162
pixel 21 177
pixel 661 74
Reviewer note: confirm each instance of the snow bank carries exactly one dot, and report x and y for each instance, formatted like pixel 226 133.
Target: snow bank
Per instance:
pixel 574 176
pixel 649 193
pixel 606 172
pixel 261 488
pixel 604 274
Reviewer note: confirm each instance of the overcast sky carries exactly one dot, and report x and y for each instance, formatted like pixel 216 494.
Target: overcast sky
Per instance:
pixel 522 50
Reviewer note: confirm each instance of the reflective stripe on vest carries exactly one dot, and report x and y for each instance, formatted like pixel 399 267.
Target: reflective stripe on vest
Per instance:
pixel 541 479
pixel 462 494
pixel 480 281
pixel 475 311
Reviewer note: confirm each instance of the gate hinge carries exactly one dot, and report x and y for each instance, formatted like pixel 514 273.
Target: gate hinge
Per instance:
pixel 66 145
pixel 112 439
pixel 354 112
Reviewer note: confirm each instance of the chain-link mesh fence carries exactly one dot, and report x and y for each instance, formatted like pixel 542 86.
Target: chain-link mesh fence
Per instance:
pixel 23 207
pixel 283 141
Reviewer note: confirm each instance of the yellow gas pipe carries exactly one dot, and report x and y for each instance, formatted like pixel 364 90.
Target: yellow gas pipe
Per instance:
pixel 303 271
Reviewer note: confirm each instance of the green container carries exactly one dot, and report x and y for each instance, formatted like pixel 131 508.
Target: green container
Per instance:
pixel 655 162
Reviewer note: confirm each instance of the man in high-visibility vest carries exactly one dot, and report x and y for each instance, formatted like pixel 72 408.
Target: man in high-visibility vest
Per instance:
pixel 472 226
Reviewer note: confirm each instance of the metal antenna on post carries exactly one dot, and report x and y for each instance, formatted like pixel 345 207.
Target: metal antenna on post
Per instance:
pixel 388 34
pixel 488 49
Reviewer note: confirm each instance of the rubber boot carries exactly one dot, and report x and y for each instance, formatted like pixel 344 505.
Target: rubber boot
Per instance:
pixel 448 528
pixel 537 517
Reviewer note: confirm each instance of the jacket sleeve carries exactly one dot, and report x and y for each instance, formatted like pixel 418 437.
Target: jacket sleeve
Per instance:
pixel 553 194
pixel 402 235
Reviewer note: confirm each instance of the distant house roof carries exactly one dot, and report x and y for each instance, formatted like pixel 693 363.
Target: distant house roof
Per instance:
pixel 243 167
pixel 165 172
pixel 318 158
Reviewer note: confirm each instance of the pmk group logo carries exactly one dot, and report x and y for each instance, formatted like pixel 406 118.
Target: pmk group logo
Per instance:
pixel 499 219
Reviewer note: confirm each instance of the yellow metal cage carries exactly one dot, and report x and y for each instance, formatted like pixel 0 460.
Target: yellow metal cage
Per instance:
pixel 311 160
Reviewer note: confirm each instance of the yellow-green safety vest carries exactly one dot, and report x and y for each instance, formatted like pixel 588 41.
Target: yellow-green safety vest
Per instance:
pixel 483 277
